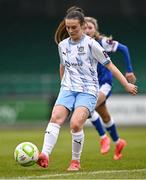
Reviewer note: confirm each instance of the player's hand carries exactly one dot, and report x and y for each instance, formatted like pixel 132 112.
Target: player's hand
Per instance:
pixel 131 88
pixel 130 77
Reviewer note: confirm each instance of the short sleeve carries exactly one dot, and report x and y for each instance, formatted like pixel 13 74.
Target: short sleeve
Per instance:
pixel 60 54
pixel 99 53
pixel 109 45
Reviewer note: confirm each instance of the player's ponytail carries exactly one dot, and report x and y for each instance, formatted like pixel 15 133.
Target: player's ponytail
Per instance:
pixel 61 32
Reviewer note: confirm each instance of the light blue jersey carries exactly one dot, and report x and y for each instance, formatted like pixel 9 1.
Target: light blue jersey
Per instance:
pixel 80 60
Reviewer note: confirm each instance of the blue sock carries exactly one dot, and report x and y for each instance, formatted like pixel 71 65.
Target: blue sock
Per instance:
pixel 113 132
pixel 98 126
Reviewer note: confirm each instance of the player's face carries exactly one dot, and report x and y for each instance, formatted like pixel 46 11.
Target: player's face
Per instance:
pixel 74 28
pixel 89 29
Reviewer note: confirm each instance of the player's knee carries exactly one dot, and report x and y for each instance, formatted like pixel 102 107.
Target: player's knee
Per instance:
pixel 56 118
pixel 75 126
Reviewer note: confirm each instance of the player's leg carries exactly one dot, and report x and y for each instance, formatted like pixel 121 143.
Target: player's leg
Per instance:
pixel 111 128
pixel 76 124
pixel 108 121
pixel 59 115
pixel 84 106
pixel 95 119
pixel 104 92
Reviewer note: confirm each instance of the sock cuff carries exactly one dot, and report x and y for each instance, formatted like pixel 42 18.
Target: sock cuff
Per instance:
pixel 110 123
pixel 78 133
pixel 95 116
pixel 54 125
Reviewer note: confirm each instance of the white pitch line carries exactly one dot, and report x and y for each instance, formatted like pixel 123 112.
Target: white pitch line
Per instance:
pixel 85 173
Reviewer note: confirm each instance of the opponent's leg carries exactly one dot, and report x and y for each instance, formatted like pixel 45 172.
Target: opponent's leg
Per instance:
pixel 111 128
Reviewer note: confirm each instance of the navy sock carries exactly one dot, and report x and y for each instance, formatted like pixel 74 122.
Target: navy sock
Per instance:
pixel 98 126
pixel 113 132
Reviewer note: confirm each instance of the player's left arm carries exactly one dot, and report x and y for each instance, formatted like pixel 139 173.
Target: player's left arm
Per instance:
pixel 130 76
pixel 131 88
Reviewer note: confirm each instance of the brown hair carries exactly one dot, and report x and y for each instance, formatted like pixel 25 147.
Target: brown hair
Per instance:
pixel 75 13
pixel 61 32
pixel 72 13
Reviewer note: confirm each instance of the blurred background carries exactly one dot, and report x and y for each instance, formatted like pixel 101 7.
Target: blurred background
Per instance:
pixel 29 62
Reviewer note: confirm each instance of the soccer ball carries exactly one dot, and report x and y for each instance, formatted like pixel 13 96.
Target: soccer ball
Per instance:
pixel 26 154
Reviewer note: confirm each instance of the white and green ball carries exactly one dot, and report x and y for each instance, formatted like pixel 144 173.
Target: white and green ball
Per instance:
pixel 26 154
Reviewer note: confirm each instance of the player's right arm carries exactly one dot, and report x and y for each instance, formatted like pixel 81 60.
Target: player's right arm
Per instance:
pixel 130 76
pixel 61 68
pixel 61 71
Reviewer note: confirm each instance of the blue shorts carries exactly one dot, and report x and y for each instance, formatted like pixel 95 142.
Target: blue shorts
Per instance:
pixel 72 99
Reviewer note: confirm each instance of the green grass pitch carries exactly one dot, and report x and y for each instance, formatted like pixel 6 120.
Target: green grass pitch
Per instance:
pixel 94 165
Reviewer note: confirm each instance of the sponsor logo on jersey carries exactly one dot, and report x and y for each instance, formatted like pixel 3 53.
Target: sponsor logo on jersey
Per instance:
pixel 68 64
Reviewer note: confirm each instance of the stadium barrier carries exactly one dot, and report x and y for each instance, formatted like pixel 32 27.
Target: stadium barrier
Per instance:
pixel 30 98
pixel 127 109
pixel 28 84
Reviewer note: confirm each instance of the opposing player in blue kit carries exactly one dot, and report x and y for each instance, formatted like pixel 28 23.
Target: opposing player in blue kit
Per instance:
pixel 79 56
pixel 105 87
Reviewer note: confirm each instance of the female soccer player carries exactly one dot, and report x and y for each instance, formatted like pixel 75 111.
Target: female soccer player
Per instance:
pixel 105 84
pixel 79 56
